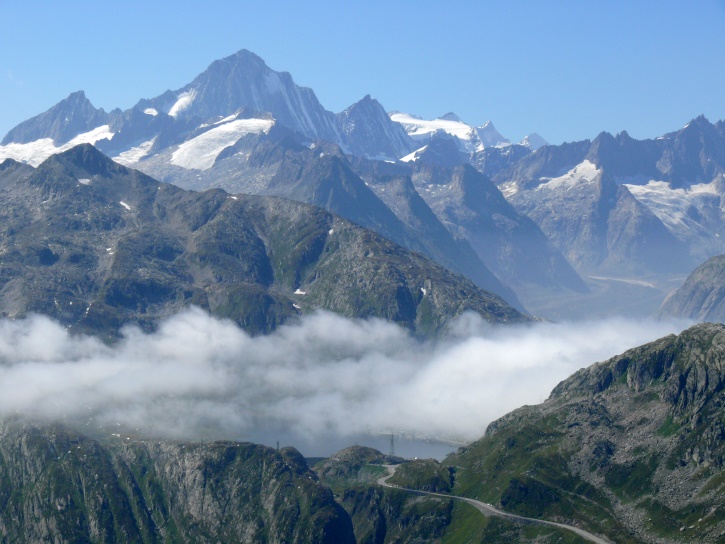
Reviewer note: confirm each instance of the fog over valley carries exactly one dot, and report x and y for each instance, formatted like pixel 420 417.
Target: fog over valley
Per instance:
pixel 324 377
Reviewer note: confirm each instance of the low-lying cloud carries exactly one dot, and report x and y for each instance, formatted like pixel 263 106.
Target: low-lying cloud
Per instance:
pixel 200 377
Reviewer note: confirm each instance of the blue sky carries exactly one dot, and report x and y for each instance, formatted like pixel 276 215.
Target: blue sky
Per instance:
pixel 566 69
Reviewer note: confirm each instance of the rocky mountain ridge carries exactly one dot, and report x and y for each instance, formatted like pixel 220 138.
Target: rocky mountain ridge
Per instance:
pixel 618 226
pixel 632 448
pixel 95 245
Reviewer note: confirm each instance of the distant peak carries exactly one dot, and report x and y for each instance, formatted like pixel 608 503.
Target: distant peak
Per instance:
pixel 603 136
pixel 87 157
pixel 365 103
pixel 245 54
pixel 367 100
pixel 450 116
pixel 533 141
pixel 699 121
pixel 69 117
pixel 242 57
pixel 623 136
pixel 77 96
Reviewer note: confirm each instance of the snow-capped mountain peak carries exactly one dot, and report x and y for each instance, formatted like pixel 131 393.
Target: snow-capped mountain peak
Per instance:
pixel 533 141
pixel 473 139
pixel 490 137
pixel 61 123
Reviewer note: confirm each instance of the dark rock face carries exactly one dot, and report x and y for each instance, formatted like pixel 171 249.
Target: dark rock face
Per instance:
pixel 369 131
pixel 702 296
pixel 633 447
pixel 95 246
pixel 61 486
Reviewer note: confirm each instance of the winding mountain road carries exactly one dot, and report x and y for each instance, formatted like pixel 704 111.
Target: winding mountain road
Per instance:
pixel 488 510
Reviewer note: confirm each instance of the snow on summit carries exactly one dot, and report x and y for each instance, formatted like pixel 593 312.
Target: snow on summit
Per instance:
pixel 418 128
pixel 584 172
pixel 473 138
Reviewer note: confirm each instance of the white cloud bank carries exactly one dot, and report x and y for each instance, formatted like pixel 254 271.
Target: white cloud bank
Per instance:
pixel 199 377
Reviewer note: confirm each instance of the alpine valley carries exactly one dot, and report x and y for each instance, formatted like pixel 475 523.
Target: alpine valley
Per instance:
pixel 241 195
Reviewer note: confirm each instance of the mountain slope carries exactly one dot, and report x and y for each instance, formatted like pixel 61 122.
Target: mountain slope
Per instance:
pixel 631 448
pixel 95 246
pixel 370 132
pixel 473 208
pixel 702 296
pixel 277 164
pixel 394 210
pixel 599 225
pixel 61 123
pixel 677 178
pixel 244 80
pixel 62 486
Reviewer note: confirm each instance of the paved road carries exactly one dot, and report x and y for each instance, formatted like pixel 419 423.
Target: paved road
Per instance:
pixel 488 510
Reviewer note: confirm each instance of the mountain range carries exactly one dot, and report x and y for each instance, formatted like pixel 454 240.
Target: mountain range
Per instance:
pixel 96 246
pixel 240 194
pixel 547 227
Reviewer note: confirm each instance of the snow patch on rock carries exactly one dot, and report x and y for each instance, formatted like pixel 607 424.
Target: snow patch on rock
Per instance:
pixel 182 103
pixel 135 154
pixel 34 153
pixel 200 153
pixel 675 207
pixel 584 172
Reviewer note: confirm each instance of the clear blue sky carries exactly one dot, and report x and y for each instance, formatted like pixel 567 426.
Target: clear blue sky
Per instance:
pixel 566 69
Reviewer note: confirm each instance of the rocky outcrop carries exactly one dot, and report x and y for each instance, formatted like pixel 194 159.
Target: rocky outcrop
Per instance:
pixel 62 486
pixel 632 448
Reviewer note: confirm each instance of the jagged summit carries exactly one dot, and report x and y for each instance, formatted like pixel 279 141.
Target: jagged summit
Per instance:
pixel 68 118
pixel 368 129
pixel 244 80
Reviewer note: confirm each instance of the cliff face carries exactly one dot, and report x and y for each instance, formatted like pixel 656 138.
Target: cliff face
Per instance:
pixel 60 486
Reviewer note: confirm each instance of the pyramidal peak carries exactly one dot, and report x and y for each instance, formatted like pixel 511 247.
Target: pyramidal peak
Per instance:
pixel 450 116
pixel 533 141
